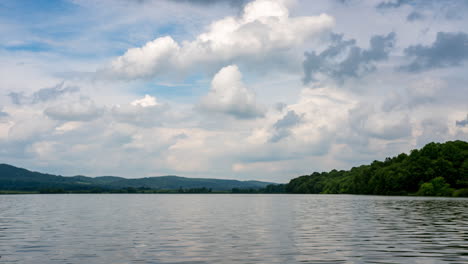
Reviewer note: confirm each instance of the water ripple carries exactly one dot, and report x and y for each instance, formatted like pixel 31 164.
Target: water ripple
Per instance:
pixel 232 229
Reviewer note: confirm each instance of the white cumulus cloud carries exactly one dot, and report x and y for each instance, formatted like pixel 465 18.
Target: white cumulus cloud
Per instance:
pixel 264 30
pixel 144 112
pixel 146 101
pixel 229 95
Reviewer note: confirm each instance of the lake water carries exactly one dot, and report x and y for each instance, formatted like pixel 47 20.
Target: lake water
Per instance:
pixel 225 228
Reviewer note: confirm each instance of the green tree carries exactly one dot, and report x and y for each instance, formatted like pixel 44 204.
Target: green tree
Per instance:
pixel 426 189
pixel 436 187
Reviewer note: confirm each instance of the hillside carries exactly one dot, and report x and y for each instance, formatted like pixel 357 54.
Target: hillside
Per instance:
pixel 438 169
pixel 18 179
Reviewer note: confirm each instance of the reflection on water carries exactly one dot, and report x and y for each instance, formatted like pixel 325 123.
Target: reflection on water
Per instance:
pixel 227 228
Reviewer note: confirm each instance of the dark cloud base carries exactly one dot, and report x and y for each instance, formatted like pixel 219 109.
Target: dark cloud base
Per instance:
pixel 462 123
pixel 449 49
pixel 42 95
pixel 282 127
pixel 357 61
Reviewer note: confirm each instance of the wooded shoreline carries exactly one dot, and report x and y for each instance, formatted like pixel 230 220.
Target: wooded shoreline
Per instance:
pixel 438 169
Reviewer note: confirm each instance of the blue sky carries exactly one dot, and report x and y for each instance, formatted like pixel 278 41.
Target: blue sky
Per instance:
pixel 264 89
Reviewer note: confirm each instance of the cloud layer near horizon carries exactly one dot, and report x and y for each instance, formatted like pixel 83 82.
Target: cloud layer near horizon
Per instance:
pixel 264 89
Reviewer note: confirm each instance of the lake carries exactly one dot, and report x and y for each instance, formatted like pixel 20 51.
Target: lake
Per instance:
pixel 231 228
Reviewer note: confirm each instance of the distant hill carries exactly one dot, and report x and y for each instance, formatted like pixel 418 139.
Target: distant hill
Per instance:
pixel 18 179
pixel 438 169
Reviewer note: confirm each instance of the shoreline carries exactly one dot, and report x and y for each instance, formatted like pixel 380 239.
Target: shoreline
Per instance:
pixel 217 193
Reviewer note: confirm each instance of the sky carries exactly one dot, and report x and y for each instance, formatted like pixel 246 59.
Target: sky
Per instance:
pixel 248 90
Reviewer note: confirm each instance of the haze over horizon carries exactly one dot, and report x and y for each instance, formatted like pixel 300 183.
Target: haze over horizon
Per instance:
pixel 248 90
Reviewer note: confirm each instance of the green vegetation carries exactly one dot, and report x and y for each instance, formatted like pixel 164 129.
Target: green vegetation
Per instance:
pixel 18 180
pixel 195 190
pixel 435 170
pixel 271 188
pixel 438 169
pixel 17 192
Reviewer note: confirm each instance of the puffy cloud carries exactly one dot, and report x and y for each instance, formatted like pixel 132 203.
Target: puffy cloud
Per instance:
pixel 449 49
pixel 307 128
pixel 282 127
pixel 82 110
pixel 137 135
pixel 264 30
pixel 344 59
pixel 228 95
pixel 144 112
pixel 43 95
pixel 146 101
pixel 157 56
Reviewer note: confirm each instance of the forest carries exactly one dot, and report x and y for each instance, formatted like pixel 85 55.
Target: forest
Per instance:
pixel 438 169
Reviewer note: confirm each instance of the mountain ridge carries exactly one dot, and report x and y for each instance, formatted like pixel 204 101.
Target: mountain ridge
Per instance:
pixel 14 178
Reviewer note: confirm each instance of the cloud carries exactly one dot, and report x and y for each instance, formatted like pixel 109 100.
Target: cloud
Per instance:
pixel 419 3
pixel 229 96
pixel 236 3
pixel 3 114
pixel 344 59
pixel 306 128
pixel 393 101
pixel 448 9
pixel 146 101
pixel 462 123
pixel 144 112
pixel 414 16
pixel 387 126
pixel 4 123
pixel 16 98
pixel 154 57
pixel 43 95
pixel 82 110
pixel 449 49
pixel 131 134
pixel 424 90
pixel 433 129
pixel 264 30
pixel 394 4
pixel 30 129
pixel 283 126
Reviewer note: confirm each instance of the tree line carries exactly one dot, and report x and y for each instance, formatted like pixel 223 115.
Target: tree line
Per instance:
pixel 438 169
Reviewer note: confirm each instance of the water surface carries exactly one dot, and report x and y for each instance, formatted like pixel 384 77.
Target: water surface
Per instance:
pixel 226 228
